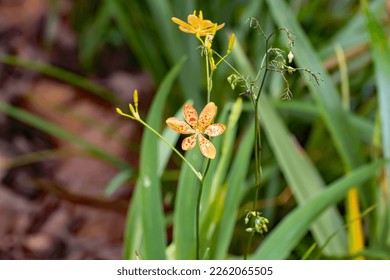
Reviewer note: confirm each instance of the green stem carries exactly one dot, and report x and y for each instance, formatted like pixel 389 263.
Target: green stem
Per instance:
pixel 258 174
pixel 208 77
pixel 197 173
pixel 198 212
pixel 248 247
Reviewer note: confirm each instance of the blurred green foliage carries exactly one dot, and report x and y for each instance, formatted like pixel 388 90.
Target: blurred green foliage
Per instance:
pixel 310 143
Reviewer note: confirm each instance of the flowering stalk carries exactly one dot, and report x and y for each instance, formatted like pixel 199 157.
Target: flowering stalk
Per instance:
pixel 198 126
pixel 255 222
pixel 204 28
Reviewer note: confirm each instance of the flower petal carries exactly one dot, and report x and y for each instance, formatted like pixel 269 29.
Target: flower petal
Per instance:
pixel 194 21
pixel 191 115
pixel 181 23
pixel 220 26
pixel 188 143
pixel 179 126
pixel 215 129
pixel 206 147
pixel 207 116
pixel 187 30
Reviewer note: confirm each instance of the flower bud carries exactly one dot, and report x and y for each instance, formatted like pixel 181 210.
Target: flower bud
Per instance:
pixel 135 99
pixel 231 44
pixel 290 57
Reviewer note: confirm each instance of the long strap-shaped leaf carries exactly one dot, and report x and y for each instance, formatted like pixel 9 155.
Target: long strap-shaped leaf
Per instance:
pixel 62 75
pixel 56 131
pixel 146 209
pixel 381 57
pixel 336 119
pixel 300 173
pixel 285 237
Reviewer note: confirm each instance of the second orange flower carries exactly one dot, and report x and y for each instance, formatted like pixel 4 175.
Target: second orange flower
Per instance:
pixel 197 25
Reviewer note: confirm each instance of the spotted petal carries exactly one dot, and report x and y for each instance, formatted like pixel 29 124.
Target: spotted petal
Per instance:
pixel 188 143
pixel 179 126
pixel 206 147
pixel 215 129
pixel 190 115
pixel 207 116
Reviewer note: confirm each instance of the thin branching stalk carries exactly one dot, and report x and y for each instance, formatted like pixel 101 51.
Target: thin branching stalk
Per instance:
pixel 257 130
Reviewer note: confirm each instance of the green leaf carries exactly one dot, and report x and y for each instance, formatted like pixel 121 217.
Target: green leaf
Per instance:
pixel 117 181
pixel 336 118
pixel 225 145
pixel 297 168
pixel 176 45
pixel 353 34
pixel 92 36
pixel 133 228
pixel 233 195
pixel 214 188
pixel 285 237
pixel 148 183
pixel 57 131
pixel 184 238
pixel 381 59
pixel 62 75
pixel 227 150
pixel 308 113
pixel 305 180
pixel 130 19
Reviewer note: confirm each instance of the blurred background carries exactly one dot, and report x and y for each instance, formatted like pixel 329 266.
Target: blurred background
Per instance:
pixel 68 162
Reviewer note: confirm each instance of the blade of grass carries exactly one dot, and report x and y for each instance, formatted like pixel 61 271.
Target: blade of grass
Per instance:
pixel 283 239
pixel 130 19
pixel 215 188
pixel 215 164
pixel 62 75
pixel 152 216
pixel 175 46
pixel 308 112
pixel 133 232
pixel 38 156
pixel 326 95
pixel 91 37
pixel 352 34
pixel 297 168
pixel 234 194
pixel 162 13
pixel 381 57
pixel 352 204
pixel 56 131
pixel 222 165
pixel 305 180
pixel 184 228
pixel 117 181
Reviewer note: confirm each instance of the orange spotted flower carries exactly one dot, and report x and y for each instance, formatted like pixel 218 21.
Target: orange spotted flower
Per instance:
pixel 198 126
pixel 197 25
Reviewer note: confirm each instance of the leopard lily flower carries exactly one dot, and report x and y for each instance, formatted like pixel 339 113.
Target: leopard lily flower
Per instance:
pixel 197 25
pixel 197 127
